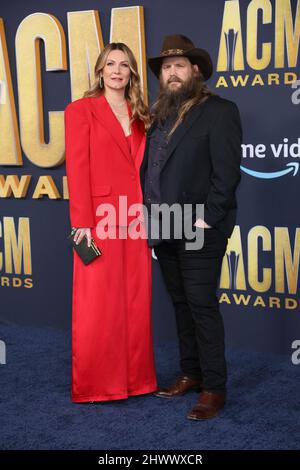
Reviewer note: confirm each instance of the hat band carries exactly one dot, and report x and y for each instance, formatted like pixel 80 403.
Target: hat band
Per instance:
pixel 172 52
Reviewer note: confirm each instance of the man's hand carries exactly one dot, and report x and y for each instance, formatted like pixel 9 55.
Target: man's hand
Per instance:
pixel 201 224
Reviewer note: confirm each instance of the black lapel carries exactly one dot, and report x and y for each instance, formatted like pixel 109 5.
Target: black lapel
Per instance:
pixel 194 113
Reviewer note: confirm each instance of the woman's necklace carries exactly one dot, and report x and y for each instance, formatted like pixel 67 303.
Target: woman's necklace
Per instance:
pixel 117 105
pixel 121 115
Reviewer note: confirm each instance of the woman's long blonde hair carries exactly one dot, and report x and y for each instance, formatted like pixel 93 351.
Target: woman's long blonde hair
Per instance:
pixel 133 91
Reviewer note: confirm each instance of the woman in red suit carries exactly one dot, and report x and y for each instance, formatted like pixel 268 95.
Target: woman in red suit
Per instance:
pixel 112 353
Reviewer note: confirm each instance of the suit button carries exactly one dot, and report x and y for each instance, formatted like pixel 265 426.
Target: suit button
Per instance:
pixel 133 177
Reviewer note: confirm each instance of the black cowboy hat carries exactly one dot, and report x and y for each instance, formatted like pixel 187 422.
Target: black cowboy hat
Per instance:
pixel 179 45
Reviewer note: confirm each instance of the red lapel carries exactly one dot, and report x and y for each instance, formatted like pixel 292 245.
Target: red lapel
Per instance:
pixel 103 112
pixel 137 134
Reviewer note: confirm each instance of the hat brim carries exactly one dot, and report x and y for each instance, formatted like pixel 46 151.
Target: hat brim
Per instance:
pixel 197 56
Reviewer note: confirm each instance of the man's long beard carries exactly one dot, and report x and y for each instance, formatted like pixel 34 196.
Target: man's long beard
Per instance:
pixel 169 101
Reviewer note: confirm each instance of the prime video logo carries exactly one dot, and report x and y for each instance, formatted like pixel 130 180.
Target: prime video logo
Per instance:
pixel 281 150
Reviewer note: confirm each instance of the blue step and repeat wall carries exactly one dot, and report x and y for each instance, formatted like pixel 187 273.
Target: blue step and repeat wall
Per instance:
pixel 48 50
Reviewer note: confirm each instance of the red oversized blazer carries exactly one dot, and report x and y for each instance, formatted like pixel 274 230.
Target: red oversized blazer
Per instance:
pixel 99 165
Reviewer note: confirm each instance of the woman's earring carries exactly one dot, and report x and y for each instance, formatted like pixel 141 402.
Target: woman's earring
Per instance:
pixel 101 81
pixel 130 82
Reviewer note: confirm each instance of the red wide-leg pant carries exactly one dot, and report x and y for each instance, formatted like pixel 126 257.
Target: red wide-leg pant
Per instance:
pixel 112 350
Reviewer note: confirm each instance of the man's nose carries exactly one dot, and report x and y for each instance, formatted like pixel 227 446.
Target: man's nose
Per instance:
pixel 173 76
pixel 172 71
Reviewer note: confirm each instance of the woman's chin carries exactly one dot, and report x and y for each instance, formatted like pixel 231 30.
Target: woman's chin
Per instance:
pixel 116 86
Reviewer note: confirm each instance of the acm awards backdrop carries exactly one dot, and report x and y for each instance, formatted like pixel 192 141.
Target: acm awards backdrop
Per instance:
pixel 47 53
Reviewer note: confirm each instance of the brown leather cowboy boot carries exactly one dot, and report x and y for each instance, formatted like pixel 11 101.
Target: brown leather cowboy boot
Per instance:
pixel 182 385
pixel 208 405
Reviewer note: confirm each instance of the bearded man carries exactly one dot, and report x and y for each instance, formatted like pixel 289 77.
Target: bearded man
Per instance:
pixel 192 157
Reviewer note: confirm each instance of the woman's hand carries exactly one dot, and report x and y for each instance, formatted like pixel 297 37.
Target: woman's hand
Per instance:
pixel 82 232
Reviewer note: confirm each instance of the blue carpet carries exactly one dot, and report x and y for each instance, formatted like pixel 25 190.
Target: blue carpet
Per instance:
pixel 262 410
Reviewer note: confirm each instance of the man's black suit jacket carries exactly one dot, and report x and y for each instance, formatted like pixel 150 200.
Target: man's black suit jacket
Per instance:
pixel 202 164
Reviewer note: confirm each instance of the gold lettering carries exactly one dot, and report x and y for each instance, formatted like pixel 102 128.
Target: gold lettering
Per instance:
pixel 273 78
pixel 32 30
pixel 221 82
pixel 290 304
pixel 13 185
pixel 274 301
pixel 253 256
pixel 233 270
pixel 259 301
pixel 224 298
pixel 286 264
pixel 289 78
pixel 241 299
pixel 286 33
pixel 17 248
pixel 10 149
pixel 231 21
pixel 252 36
pixel 257 80
pixel 84 49
pixel 46 186
pixel 127 25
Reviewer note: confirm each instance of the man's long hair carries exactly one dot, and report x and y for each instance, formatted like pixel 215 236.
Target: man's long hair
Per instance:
pixel 177 104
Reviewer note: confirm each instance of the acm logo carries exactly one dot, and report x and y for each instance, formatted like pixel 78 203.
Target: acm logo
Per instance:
pixel 282 50
pixel 247 46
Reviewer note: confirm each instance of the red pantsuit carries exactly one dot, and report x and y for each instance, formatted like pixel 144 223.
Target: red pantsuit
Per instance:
pixel 112 352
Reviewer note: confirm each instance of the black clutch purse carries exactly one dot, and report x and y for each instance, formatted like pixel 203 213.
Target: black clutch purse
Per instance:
pixel 85 252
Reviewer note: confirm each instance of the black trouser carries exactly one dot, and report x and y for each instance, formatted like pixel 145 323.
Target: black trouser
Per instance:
pixel 191 277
